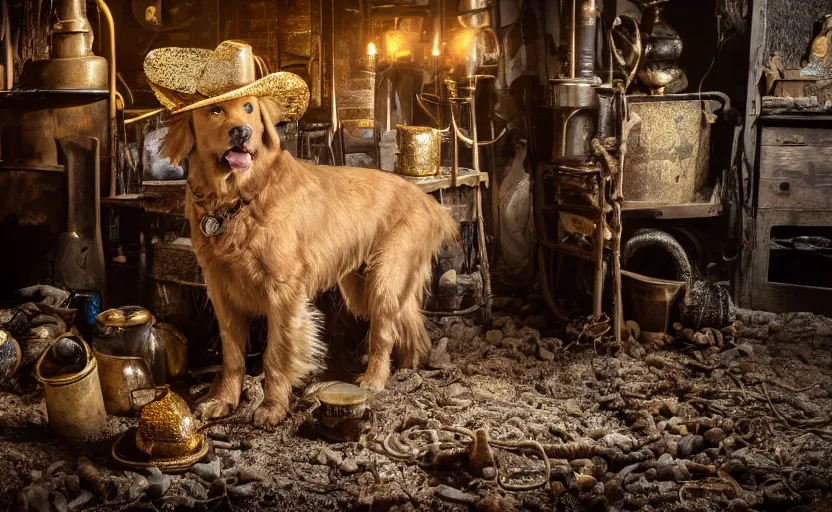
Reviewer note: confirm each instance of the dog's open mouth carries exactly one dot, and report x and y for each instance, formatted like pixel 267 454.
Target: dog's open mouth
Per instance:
pixel 238 158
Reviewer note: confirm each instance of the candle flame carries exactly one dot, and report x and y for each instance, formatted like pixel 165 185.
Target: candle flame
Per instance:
pixel 371 49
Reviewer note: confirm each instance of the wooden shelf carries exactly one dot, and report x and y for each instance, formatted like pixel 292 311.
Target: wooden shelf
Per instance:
pixel 675 211
pixel 431 184
pixel 31 167
pixel 575 251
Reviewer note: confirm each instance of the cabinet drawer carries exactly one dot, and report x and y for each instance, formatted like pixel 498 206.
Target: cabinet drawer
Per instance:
pixel 795 177
pixel 795 136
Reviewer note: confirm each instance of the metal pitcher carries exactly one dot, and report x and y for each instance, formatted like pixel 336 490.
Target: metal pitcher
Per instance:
pixel 74 403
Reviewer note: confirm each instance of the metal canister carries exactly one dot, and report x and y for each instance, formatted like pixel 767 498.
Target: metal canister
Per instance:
pixel 74 403
pixel 120 376
pixel 580 24
pixel 574 114
pixel 419 150
pixel 126 331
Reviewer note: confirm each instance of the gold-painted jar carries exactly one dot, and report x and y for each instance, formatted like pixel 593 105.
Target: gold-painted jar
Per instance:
pixel 419 150
pixel 167 430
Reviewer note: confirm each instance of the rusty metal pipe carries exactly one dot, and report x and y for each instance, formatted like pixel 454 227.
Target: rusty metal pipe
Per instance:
pixel 573 30
pixel 111 28
pixel 334 105
pixel 7 48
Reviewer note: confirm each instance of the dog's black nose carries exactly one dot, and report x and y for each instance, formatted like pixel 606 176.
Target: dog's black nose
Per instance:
pixel 239 135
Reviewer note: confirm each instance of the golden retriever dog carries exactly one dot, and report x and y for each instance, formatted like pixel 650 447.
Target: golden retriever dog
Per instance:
pixel 292 231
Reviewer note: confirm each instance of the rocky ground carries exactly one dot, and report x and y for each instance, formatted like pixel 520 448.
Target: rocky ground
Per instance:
pixel 511 418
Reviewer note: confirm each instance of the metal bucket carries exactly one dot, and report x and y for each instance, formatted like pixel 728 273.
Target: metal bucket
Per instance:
pixel 649 300
pixel 74 403
pixel 419 150
pixel 668 152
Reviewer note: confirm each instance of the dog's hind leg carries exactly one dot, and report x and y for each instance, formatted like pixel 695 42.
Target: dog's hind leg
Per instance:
pixel 383 336
pixel 413 347
pixel 395 281
pixel 224 394
pixel 293 353
pixel 352 290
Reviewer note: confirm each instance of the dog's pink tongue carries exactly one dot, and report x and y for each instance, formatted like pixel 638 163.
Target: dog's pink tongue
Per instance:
pixel 241 161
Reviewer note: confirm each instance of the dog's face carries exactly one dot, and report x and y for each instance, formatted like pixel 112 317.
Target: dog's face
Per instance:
pixel 225 140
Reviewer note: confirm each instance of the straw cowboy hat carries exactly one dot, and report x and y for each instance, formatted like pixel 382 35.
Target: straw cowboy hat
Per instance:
pixel 184 79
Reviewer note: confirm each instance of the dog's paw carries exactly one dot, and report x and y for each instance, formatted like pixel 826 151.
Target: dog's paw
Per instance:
pixel 213 408
pixel 269 414
pixel 375 383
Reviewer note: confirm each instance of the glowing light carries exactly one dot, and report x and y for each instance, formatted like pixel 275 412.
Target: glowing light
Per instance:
pixel 435 52
pixel 371 49
pixel 394 40
pixel 463 45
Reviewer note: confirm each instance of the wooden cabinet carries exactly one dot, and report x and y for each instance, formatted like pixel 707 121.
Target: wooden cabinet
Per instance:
pixel 794 199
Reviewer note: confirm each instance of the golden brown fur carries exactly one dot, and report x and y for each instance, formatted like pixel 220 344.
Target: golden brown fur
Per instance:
pixel 304 229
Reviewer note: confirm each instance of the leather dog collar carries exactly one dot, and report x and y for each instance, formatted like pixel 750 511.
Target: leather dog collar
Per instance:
pixel 213 223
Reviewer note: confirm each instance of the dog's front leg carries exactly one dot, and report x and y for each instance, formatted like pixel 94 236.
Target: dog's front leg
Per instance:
pixel 224 394
pixel 293 352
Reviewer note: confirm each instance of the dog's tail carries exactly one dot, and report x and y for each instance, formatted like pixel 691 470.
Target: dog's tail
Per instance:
pixel 449 230
pixel 413 341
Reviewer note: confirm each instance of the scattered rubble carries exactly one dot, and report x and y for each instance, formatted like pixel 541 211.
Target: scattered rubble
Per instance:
pixel 507 418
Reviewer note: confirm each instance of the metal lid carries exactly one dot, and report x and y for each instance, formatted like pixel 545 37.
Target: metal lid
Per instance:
pixel 127 316
pixel 339 393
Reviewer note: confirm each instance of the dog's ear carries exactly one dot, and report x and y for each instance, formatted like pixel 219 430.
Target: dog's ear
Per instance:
pixel 270 115
pixel 180 140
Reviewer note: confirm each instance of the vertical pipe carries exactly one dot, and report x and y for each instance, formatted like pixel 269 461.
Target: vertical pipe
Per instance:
pixel 586 34
pixel 111 28
pixel 475 156
pixel 598 290
pixel 7 48
pixel 334 113
pixel 454 150
pixel 388 106
pixel 572 35
pixel 441 74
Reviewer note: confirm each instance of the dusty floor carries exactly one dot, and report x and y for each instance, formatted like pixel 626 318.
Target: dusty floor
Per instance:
pixel 735 420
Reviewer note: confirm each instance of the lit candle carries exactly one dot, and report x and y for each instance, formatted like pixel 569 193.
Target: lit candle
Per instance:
pixel 371 56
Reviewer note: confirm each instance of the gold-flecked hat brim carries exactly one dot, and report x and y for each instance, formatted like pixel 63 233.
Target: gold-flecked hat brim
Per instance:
pixel 125 452
pixel 288 89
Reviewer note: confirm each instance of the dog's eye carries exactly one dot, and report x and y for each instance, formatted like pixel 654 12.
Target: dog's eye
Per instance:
pixel 215 110
pixel 248 108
